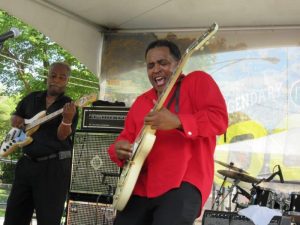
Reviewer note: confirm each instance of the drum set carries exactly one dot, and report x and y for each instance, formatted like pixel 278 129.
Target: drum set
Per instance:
pixel 245 190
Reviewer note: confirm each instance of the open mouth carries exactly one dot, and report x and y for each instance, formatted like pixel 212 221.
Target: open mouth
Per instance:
pixel 160 81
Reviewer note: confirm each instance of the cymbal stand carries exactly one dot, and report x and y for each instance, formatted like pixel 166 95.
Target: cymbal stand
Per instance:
pixel 219 195
pixel 235 183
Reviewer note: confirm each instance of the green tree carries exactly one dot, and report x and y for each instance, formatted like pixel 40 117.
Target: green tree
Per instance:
pixel 24 62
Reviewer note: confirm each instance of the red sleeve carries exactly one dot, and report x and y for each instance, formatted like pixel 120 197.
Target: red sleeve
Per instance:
pixel 209 115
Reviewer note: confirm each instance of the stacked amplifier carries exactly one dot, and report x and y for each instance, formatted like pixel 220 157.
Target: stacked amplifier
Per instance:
pixel 94 176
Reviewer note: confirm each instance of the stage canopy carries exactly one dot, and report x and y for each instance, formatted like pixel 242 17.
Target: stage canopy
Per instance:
pixel 78 25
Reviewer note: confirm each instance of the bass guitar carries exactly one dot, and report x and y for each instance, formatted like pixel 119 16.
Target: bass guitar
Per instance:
pixel 146 138
pixel 21 137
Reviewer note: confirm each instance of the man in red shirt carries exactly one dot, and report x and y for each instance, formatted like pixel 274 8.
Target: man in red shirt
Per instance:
pixel 177 175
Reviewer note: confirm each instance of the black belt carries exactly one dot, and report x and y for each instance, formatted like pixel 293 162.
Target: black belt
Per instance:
pixel 60 155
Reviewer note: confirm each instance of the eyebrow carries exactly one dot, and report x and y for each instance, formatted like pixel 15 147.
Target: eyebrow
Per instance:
pixel 159 61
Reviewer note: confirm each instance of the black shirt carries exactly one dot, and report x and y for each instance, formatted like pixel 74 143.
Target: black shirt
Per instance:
pixel 45 141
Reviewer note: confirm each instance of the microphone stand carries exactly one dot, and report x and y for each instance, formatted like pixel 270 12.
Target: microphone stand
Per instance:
pixel 279 173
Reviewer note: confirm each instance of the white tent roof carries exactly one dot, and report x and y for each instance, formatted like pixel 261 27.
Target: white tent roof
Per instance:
pixel 77 24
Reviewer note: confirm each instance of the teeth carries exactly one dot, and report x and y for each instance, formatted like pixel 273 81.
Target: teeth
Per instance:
pixel 160 81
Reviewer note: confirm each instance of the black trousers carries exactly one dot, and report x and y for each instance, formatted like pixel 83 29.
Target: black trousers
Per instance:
pixel 40 186
pixel 178 206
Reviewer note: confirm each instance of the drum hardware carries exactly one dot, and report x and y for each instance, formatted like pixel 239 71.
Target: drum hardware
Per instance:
pixel 277 196
pixel 244 193
pixel 279 173
pixel 287 188
pixel 235 188
pixel 231 166
pixel 268 179
pixel 237 176
pixel 294 207
pixel 221 196
pixel 220 193
pixel 229 194
pixel 283 201
pixel 264 197
pixel 240 191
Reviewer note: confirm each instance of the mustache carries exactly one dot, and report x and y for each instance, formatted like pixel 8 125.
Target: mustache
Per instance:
pixel 55 85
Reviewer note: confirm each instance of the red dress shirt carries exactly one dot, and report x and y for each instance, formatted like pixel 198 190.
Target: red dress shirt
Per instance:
pixel 186 155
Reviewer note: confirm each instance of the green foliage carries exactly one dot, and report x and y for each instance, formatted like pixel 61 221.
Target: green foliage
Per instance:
pixel 7 106
pixel 4 191
pixel 7 172
pixel 24 63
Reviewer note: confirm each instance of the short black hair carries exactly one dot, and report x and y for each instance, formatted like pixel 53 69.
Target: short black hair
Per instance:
pixel 174 50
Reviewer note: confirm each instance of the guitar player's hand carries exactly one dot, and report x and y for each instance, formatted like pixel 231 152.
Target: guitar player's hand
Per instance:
pixel 65 127
pixel 123 149
pixel 68 113
pixel 163 120
pixel 17 121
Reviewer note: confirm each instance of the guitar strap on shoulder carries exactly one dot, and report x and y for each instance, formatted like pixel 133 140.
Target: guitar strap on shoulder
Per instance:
pixel 175 96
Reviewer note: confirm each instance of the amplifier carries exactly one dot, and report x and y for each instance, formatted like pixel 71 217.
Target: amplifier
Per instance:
pixel 93 172
pixel 104 118
pixel 87 213
pixel 211 217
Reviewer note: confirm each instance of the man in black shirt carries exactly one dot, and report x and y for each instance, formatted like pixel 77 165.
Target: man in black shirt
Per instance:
pixel 42 174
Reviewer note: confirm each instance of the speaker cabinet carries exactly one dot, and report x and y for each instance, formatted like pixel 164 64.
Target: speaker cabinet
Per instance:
pixel 211 217
pixel 87 213
pixel 93 172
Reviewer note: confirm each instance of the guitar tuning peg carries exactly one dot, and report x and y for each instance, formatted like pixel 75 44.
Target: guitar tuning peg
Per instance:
pixel 207 43
pixel 201 48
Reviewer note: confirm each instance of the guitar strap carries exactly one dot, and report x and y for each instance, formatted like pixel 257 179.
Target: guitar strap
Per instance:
pixel 175 96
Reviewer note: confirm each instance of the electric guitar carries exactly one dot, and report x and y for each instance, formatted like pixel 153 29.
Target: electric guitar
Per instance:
pixel 146 138
pixel 21 137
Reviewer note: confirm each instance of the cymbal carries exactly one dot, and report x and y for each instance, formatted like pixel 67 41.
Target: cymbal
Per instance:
pixel 231 166
pixel 238 176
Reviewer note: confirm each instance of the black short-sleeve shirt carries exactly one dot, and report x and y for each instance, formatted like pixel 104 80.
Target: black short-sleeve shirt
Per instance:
pixel 45 141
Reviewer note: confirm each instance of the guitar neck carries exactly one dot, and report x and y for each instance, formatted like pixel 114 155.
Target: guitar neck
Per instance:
pixel 43 119
pixel 197 44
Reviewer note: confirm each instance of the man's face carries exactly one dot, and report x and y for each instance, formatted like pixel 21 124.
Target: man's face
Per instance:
pixel 57 80
pixel 160 66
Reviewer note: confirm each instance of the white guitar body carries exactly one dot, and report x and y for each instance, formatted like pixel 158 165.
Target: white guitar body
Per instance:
pixel 14 139
pixel 17 138
pixel 131 171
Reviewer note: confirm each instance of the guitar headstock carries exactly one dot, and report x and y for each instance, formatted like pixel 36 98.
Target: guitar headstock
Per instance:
pixel 86 99
pixel 203 39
